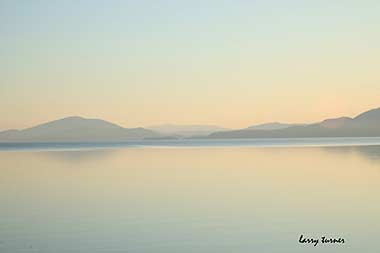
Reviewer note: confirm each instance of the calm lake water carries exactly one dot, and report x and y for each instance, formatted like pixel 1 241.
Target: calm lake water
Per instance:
pixel 231 198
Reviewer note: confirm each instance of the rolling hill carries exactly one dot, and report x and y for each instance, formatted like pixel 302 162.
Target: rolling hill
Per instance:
pixel 76 129
pixel 366 124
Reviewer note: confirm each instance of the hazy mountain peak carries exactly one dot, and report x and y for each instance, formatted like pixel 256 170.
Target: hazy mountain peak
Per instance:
pixel 271 126
pixel 73 122
pixel 371 115
pixel 72 117
pixel 335 123
pixel 186 130
pixel 76 129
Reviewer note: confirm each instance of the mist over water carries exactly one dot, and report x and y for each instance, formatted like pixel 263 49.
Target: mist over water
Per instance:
pixel 198 199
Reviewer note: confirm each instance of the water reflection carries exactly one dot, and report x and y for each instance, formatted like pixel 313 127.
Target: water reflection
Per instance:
pixel 77 156
pixel 371 153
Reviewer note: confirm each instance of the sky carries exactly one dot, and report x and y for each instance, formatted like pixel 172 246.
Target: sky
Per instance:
pixel 229 63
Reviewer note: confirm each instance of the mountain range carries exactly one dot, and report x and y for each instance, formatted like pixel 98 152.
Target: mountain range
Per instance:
pixel 79 129
pixel 186 130
pixel 366 124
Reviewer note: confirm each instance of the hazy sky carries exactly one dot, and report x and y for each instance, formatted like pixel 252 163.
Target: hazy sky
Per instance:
pixel 231 63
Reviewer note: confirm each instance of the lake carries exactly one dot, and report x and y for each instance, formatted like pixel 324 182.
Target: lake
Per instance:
pixel 193 196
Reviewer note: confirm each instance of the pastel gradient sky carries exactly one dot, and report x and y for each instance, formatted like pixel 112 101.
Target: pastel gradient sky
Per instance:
pixel 230 63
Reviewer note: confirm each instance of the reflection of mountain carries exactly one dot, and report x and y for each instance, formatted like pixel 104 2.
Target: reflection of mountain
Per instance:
pixel 366 124
pixel 371 153
pixel 79 156
pixel 76 129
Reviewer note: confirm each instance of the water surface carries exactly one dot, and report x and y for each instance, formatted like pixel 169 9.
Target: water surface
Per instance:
pixel 200 199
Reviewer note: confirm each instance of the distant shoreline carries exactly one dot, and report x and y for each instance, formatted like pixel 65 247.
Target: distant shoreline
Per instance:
pixel 194 143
